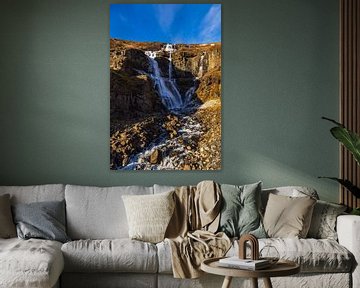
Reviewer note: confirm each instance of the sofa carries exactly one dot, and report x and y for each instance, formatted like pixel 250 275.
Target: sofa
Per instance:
pixel 100 253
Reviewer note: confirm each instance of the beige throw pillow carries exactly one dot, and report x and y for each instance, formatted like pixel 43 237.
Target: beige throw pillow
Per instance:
pixel 148 215
pixel 7 226
pixel 288 217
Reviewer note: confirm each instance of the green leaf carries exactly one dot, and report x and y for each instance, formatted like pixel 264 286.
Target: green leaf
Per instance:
pixel 333 121
pixel 355 211
pixel 348 138
pixel 347 184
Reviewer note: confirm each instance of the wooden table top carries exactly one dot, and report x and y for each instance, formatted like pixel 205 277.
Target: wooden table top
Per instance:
pixel 281 268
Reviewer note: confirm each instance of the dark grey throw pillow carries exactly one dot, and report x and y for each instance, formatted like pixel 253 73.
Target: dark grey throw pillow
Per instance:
pixel 44 220
pixel 7 227
pixel 240 210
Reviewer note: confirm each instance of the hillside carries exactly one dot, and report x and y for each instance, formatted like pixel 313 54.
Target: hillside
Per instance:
pixel 162 98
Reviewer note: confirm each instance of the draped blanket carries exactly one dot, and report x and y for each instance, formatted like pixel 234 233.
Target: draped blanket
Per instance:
pixel 191 231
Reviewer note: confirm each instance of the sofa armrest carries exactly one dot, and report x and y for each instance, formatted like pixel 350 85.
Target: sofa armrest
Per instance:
pixel 348 230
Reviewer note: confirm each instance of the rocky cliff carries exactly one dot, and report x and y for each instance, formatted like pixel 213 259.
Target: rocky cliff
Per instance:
pixel 158 91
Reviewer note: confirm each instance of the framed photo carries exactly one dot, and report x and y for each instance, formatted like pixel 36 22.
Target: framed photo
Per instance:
pixel 165 86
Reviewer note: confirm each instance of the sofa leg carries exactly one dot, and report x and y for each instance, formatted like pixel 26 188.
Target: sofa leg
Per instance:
pixel 267 283
pixel 227 282
pixel 254 282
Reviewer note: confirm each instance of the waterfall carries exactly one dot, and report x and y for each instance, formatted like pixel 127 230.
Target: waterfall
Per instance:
pixel 151 54
pixel 169 48
pixel 201 66
pixel 189 94
pixel 167 89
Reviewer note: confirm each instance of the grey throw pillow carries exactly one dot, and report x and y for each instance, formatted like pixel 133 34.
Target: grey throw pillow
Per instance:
pixel 240 210
pixel 44 220
pixel 323 222
pixel 7 227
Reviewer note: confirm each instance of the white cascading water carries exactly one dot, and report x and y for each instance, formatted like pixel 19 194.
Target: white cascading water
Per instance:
pixel 189 94
pixel 201 66
pixel 169 48
pixel 167 89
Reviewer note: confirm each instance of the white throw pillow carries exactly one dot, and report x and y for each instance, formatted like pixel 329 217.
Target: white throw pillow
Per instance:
pixel 149 215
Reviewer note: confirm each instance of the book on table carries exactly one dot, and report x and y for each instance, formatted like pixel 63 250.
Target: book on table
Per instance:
pixel 236 262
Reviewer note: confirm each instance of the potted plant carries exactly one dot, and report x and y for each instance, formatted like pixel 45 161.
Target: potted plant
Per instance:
pixel 351 141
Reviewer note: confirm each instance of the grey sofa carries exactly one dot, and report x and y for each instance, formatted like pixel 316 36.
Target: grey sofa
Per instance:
pixel 101 254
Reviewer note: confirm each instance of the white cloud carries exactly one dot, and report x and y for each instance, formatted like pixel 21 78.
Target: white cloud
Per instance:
pixel 122 18
pixel 210 27
pixel 166 15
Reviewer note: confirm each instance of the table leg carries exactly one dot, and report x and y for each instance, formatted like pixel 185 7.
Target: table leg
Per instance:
pixel 227 282
pixel 254 282
pixel 267 283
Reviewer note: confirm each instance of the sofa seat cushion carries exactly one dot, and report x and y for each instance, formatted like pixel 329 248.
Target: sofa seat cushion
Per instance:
pixel 313 255
pixel 115 255
pixel 30 263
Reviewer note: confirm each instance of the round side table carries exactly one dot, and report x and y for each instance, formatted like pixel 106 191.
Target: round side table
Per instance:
pixel 281 268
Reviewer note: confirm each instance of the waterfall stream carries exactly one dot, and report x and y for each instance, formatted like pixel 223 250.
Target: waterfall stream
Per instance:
pixel 166 86
pixel 173 150
pixel 169 48
pixel 201 66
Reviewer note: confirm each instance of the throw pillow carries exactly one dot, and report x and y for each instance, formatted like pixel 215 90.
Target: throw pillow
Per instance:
pixel 288 217
pixel 7 227
pixel 323 222
pixel 240 210
pixel 44 220
pixel 149 215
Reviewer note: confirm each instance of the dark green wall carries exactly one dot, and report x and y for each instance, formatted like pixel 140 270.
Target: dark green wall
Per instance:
pixel 280 75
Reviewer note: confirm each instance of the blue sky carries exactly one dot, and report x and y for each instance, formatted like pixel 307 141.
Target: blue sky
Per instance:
pixel 170 23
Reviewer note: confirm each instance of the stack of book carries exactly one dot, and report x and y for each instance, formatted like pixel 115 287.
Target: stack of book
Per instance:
pixel 248 264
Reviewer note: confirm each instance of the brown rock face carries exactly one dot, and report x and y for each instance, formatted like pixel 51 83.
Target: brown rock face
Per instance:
pixel 132 97
pixel 203 61
pixel 133 94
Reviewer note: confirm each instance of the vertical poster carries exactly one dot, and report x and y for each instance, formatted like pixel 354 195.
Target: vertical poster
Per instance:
pixel 165 86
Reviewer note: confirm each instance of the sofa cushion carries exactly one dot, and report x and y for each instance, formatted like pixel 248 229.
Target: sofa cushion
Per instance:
pixel 163 188
pixel 291 191
pixel 116 255
pixel 43 220
pixel 323 222
pixel 7 226
pixel 98 213
pixel 30 263
pixel 287 216
pixel 36 193
pixel 313 255
pixel 240 210
pixel 149 215
pixel 164 257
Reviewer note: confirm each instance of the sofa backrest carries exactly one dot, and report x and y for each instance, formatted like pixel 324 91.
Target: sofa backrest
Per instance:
pixel 293 191
pixel 36 193
pixel 98 213
pixel 163 188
